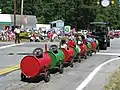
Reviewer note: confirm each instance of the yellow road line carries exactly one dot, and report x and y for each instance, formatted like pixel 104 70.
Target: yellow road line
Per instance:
pixel 9 69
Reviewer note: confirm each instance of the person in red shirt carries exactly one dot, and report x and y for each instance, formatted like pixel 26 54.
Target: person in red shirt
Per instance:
pixel 71 42
pixel 50 35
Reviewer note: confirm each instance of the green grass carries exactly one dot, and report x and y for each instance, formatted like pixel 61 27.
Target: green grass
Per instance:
pixel 114 83
pixel 25 40
pixel 22 40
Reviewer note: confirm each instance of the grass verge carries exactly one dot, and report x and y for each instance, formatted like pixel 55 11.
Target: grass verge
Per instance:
pixel 114 83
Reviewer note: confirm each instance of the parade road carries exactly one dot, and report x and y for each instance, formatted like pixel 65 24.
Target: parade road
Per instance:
pixel 72 78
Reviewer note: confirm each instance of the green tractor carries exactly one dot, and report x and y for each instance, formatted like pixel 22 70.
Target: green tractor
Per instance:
pixel 100 30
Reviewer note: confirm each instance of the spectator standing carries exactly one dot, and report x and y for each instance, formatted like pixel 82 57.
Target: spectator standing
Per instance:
pixel 17 33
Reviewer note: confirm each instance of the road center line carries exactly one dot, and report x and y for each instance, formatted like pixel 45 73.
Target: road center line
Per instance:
pixel 12 68
pixel 12 45
pixel 9 69
pixel 93 73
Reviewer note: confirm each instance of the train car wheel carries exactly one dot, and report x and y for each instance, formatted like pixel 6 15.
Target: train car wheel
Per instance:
pixel 95 51
pixel 61 68
pixel 79 59
pixel 108 44
pixel 71 63
pixel 98 49
pixel 31 40
pixel 104 47
pixel 23 77
pixel 90 53
pixel 47 77
pixel 85 56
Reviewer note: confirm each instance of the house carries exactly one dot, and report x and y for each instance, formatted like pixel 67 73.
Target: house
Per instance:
pixel 7 21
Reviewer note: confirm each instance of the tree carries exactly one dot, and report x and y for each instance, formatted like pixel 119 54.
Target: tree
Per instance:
pixel 77 13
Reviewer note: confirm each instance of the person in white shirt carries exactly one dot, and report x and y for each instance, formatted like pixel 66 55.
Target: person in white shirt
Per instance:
pixel 63 44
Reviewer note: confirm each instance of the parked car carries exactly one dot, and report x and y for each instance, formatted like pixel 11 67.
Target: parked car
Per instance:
pixel 111 35
pixel 116 34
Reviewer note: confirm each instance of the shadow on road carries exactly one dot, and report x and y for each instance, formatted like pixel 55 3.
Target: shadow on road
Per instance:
pixel 19 54
pixel 36 79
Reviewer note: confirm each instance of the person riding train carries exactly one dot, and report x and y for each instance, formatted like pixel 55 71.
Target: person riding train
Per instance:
pixel 71 42
pixel 84 39
pixel 89 38
pixel 63 44
pixel 79 40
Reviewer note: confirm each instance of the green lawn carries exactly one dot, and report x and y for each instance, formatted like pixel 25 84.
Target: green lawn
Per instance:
pixel 22 40
pixel 114 83
pixel 25 40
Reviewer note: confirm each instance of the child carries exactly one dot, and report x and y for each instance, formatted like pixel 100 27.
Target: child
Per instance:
pixel 71 42
pixel 89 39
pixel 63 44
pixel 84 40
pixel 79 40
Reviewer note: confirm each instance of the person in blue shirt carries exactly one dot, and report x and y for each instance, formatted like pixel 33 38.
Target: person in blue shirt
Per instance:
pixel 89 38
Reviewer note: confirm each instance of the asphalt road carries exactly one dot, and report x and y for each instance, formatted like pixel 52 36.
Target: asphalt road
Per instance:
pixel 5 43
pixel 13 55
pixel 69 80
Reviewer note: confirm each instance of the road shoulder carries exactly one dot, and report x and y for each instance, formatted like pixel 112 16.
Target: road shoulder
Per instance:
pixel 102 77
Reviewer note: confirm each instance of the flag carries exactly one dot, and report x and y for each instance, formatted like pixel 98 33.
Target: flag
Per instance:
pixel 73 31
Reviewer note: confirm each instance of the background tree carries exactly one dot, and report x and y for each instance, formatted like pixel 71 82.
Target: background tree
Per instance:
pixel 77 13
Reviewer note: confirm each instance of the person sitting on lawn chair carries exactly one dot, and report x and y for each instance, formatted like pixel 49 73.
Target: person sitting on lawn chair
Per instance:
pixel 17 35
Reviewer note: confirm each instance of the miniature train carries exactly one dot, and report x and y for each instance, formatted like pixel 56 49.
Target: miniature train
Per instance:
pixel 41 63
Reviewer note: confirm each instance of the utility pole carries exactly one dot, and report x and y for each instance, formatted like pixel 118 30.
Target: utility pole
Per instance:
pixel 14 14
pixel 21 23
pixel 0 11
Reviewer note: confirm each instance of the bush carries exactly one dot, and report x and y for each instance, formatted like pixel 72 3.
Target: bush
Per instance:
pixel 114 83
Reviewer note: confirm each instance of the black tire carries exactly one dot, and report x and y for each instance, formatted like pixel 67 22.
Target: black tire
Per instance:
pixel 95 51
pixel 79 59
pixel 47 77
pixel 90 53
pixel 36 40
pixel 23 77
pixel 61 68
pixel 105 47
pixel 71 64
pixel 98 49
pixel 85 56
pixel 108 44
pixel 31 40
pixel 117 36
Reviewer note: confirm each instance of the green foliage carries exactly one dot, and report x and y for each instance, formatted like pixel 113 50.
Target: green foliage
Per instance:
pixel 41 19
pixel 77 13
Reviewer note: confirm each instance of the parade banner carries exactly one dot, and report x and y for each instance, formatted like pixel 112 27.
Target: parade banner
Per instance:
pixel 67 29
